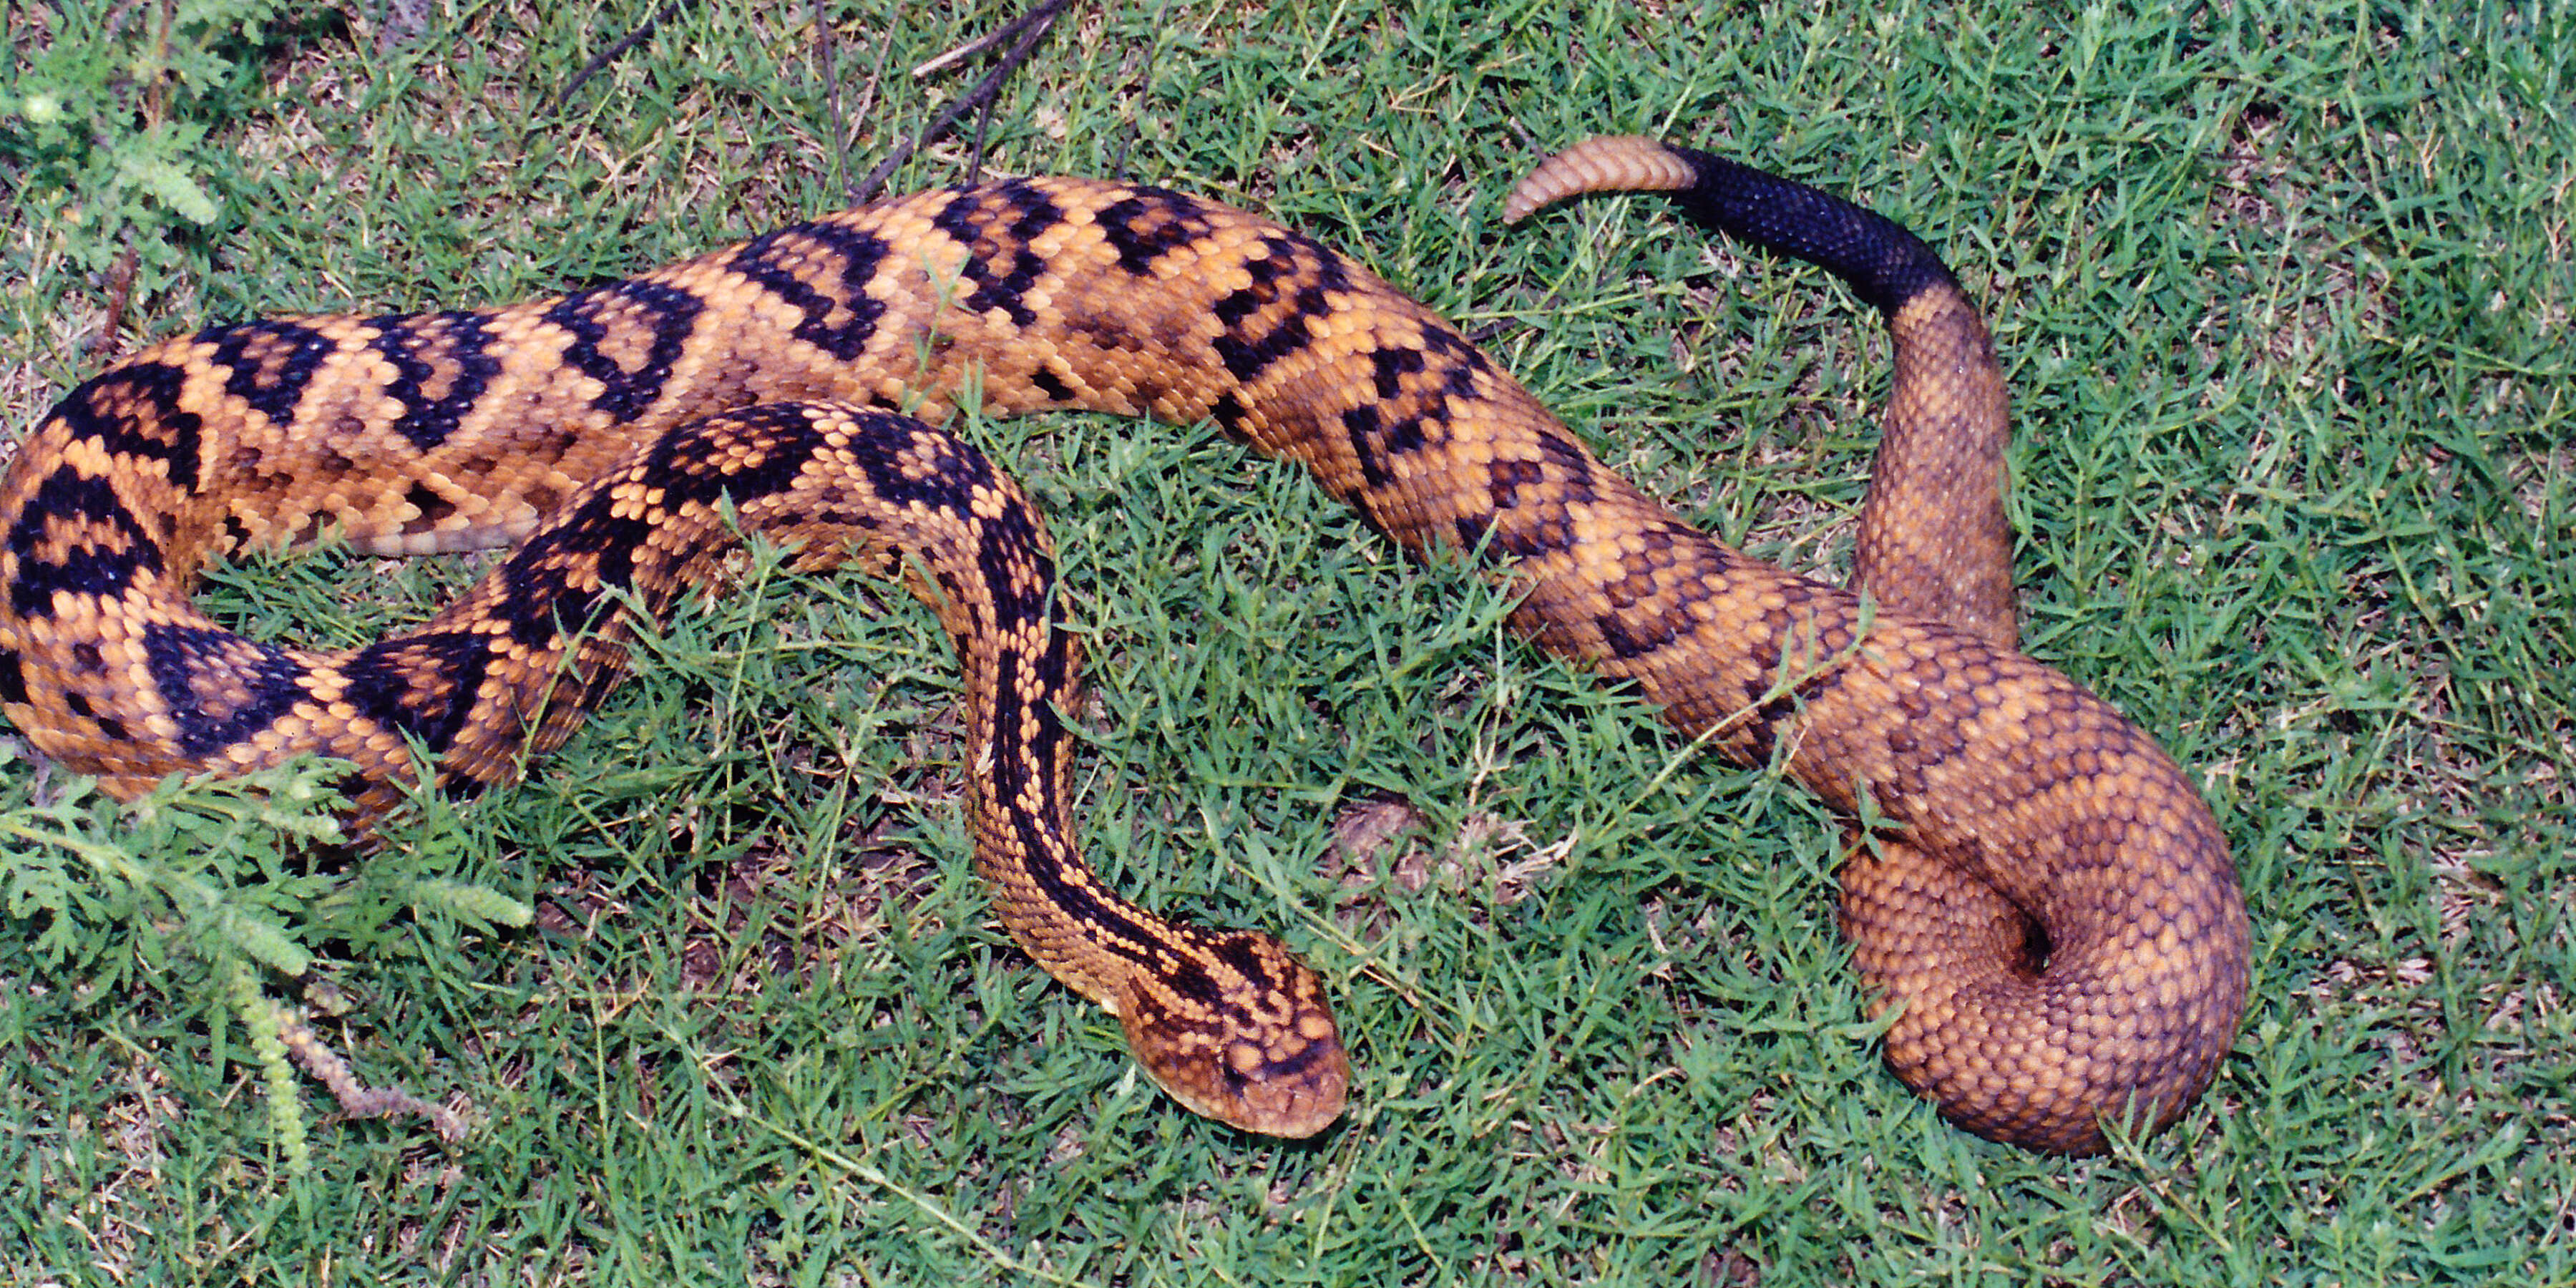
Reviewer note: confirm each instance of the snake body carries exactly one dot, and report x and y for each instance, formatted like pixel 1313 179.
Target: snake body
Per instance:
pixel 2050 903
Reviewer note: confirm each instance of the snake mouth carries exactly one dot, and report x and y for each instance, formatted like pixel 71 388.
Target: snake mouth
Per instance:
pixel 1292 1097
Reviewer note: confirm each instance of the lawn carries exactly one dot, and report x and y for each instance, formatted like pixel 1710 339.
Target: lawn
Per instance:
pixel 2284 293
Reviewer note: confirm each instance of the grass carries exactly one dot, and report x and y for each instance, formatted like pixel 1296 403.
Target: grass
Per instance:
pixel 2285 300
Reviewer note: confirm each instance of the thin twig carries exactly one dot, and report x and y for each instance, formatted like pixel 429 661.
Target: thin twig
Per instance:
pixel 1144 89
pixel 120 291
pixel 868 100
pixel 832 91
pixel 975 151
pixel 618 50
pixel 1032 26
pixel 120 275
pixel 990 39
pixel 357 1099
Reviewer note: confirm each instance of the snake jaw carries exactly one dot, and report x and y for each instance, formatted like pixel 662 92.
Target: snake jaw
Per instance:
pixel 1255 1048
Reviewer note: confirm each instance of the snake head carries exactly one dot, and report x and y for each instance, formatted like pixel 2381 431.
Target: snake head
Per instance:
pixel 1240 1032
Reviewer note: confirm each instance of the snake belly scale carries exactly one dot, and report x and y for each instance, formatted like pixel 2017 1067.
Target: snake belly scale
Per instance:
pixel 2052 905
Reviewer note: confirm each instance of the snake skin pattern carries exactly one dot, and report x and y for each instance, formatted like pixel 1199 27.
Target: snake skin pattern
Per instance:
pixel 2050 903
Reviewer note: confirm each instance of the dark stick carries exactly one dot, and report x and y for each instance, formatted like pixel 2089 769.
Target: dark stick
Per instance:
pixel 618 50
pixel 1144 88
pixel 1032 26
pixel 832 93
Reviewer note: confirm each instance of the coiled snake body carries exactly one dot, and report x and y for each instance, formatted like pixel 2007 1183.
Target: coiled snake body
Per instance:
pixel 2051 903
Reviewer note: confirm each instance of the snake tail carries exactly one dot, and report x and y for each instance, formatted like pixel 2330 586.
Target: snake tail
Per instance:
pixel 2072 947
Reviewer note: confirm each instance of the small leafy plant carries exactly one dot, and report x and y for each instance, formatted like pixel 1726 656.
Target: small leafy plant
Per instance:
pixel 204 885
pixel 106 111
